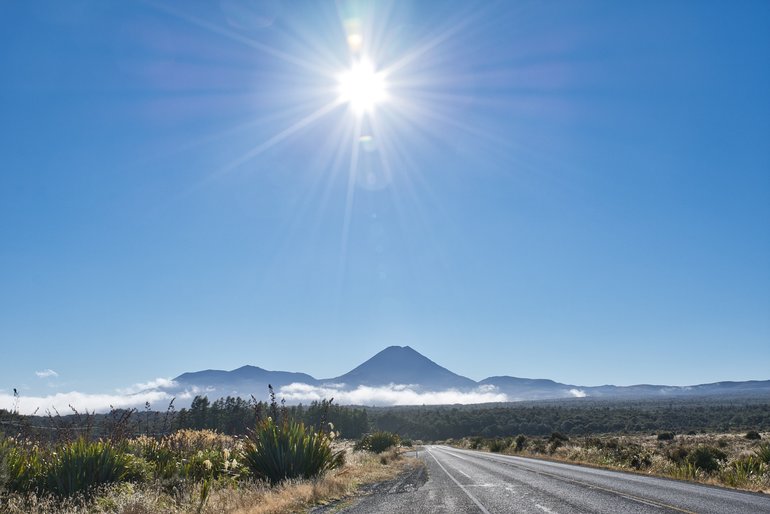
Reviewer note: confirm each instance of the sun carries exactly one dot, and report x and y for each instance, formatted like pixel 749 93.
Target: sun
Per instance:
pixel 362 87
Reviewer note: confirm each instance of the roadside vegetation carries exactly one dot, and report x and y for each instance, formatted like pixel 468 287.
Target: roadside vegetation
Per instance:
pixel 739 460
pixel 279 465
pixel 250 456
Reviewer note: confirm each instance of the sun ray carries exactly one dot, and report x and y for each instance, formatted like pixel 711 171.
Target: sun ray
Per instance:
pixel 275 139
pixel 222 31
pixel 349 198
pixel 427 46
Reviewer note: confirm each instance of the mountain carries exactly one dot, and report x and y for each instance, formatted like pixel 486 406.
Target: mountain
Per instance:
pixel 243 382
pixel 244 374
pixel 531 388
pixel 403 365
pixel 400 374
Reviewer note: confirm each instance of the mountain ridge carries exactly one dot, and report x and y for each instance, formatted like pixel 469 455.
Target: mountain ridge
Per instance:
pixel 401 368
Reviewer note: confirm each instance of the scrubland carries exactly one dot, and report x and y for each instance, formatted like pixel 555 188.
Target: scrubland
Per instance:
pixel 281 465
pixel 737 460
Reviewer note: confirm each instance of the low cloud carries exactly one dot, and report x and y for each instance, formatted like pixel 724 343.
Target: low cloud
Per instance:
pixel 392 394
pixel 160 391
pixel 46 373
pixel 158 383
pixel 157 392
pixel 577 393
pixel 82 401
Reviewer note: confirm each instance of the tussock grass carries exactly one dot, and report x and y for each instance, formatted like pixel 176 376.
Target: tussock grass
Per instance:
pixel 213 493
pixel 282 465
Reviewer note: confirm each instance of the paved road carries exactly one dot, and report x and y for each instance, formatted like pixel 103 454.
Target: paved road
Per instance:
pixel 467 481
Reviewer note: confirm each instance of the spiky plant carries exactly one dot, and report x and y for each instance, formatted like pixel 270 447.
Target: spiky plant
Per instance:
pixel 277 451
pixel 763 453
pixel 80 466
pixel 20 468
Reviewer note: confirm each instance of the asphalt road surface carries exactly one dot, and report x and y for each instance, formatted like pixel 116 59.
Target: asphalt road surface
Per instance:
pixel 462 481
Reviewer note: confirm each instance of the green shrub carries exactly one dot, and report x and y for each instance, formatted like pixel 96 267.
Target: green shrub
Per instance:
pixel 678 454
pixel 497 445
pixel 763 453
pixel 80 466
pixel 640 459
pixel 666 436
pixel 753 435
pixel 520 442
pixel 377 442
pixel 556 441
pixel 558 436
pixel 279 451
pixel 406 443
pixel 706 458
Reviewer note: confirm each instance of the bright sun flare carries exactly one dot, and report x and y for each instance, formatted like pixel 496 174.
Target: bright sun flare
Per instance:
pixel 362 87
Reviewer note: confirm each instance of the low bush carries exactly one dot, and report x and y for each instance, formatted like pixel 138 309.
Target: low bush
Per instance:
pixel 706 458
pixel 678 454
pixel 497 445
pixel 377 442
pixel 753 435
pixel 556 441
pixel 666 436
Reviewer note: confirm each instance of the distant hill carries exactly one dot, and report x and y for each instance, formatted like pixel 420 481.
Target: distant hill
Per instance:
pixel 399 368
pixel 243 382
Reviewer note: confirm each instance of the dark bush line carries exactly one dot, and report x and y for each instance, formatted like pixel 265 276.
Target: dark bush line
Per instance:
pixel 664 418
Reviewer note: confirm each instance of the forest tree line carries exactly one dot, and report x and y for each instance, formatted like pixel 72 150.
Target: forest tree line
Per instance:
pixel 235 416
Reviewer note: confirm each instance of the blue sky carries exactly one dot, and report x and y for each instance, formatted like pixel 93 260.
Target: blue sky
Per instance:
pixel 569 190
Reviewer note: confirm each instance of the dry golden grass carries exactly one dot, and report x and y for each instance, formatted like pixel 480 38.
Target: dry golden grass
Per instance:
pixel 234 498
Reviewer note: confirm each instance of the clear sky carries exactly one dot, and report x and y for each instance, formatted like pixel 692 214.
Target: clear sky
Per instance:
pixel 569 190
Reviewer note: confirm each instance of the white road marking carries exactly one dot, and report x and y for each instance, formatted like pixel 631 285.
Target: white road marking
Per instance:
pixel 464 473
pixel 473 498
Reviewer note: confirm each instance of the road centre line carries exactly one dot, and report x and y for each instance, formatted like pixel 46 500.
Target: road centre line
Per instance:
pixel 473 498
pixel 628 496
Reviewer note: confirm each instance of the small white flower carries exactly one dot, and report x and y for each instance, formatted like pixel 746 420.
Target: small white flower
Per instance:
pixel 207 463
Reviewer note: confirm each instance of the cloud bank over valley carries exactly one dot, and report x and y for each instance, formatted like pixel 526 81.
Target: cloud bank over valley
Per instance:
pixel 161 391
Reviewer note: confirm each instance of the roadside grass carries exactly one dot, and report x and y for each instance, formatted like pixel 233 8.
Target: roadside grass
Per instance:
pixel 727 459
pixel 174 478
